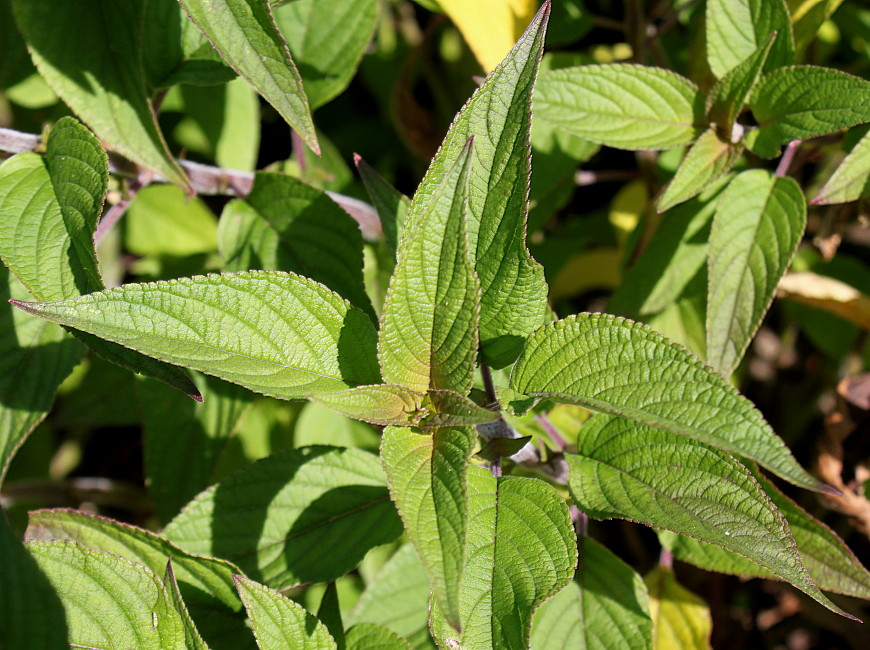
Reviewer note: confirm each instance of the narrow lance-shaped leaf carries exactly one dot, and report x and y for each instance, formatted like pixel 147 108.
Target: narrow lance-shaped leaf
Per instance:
pixel 245 34
pixel 104 83
pixel 707 160
pixel 284 224
pixel 622 105
pixel 851 180
pixel 629 470
pixel 427 478
pixel 192 638
pixel 279 623
pixel 803 102
pixel 428 335
pixel 758 225
pixel 275 333
pixel 299 516
pixel 680 618
pixel 616 366
pixel 513 290
pixel 737 28
pixel 605 606
pixel 390 204
pixel 521 550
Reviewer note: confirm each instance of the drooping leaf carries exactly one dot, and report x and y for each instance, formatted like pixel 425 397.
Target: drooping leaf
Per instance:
pixel 397 598
pixel 737 28
pixel 680 618
pixel 513 298
pixel 828 294
pixel 369 636
pixel 757 227
pixel 287 225
pixel 276 333
pixel 279 623
pixel 629 470
pixel 31 614
pixel 622 105
pixel 302 515
pixel 104 83
pixel 427 477
pixel 183 439
pixel 391 205
pixel 428 336
pixel 623 368
pixel 729 95
pixel 245 34
pixel 192 638
pixel 521 550
pixel 708 159
pixel 327 39
pixel 97 587
pixel 606 606
pixel 802 102
pixel 851 180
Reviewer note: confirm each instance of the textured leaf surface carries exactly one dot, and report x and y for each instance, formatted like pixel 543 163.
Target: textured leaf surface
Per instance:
pixel 279 623
pixel 729 95
pixel 302 515
pixel 245 34
pixel 31 614
pixel 327 39
pixel 708 159
pixel 427 478
pixel 851 180
pixel 192 638
pixel 368 636
pixel 276 333
pixel 624 368
pixel 737 28
pixel 680 618
pixel 803 102
pixel 606 606
pixel 287 225
pixel 758 225
pixel 629 470
pixel 110 602
pixel 521 550
pixel 397 598
pixel 513 299
pixel 622 105
pixel 428 336
pixel 104 83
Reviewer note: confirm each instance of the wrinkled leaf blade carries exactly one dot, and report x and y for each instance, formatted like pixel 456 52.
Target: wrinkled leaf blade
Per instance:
pixel 368 636
pixel 737 28
pixel 851 179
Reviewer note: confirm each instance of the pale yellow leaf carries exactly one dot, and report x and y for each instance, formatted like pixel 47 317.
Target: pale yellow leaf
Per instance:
pixel 627 207
pixel 826 293
pixel 681 620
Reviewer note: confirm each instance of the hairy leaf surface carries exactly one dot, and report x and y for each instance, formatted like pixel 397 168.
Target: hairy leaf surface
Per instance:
pixel 369 636
pixel 737 28
pixel 625 368
pixel 302 515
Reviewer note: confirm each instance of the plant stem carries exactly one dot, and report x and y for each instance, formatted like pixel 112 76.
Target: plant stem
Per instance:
pixel 580 521
pixel 666 559
pixel 551 431
pixel 114 214
pixel 787 158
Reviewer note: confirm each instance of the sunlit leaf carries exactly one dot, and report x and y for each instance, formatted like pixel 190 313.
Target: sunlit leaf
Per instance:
pixel 680 618
pixel 828 294
pixel 851 180
pixel 737 28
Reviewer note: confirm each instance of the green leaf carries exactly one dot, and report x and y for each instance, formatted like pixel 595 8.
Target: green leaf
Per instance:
pixel 327 39
pixel 803 102
pixel 521 550
pixel 163 220
pixel 622 105
pixel 329 613
pixel 427 477
pixel 280 623
pixel 96 588
pixel 15 65
pixel 758 225
pixel 513 298
pixel 302 515
pixel 737 28
pixel 680 618
pixel 606 606
pixel 245 34
pixel 729 95
pixel 31 614
pixel 623 368
pixel 428 336
pixel 389 404
pixel 287 225
pixel 391 205
pixel 631 471
pixel 708 159
pixel 368 636
pixel 275 333
pixel 851 180
pixel 192 638
pixel 104 83
pixel 184 439
pixel 397 598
